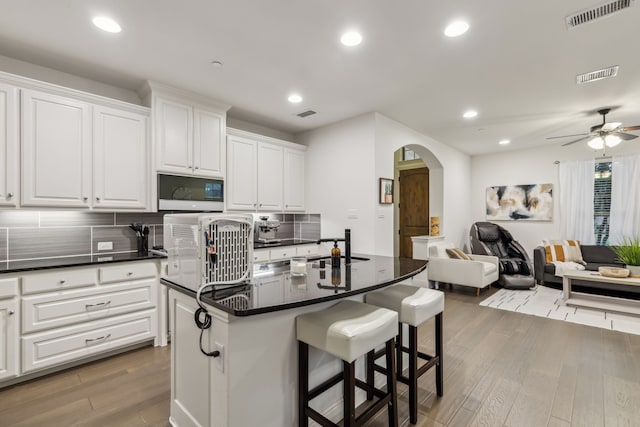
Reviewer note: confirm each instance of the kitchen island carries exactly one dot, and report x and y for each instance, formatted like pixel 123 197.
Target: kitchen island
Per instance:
pixel 254 379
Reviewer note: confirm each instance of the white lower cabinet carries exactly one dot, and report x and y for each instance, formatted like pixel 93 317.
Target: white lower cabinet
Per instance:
pixel 9 329
pixel 285 252
pixel 62 345
pixel 51 318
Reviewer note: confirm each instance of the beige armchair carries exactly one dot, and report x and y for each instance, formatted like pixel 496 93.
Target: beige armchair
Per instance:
pixel 480 272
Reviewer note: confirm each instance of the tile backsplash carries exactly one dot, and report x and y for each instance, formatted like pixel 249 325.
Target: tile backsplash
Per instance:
pixel 48 234
pixel 295 226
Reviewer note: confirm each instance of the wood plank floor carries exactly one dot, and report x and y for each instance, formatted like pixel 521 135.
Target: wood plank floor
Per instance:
pixel 501 369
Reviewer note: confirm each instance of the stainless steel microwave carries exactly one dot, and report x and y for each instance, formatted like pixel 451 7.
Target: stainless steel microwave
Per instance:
pixel 188 193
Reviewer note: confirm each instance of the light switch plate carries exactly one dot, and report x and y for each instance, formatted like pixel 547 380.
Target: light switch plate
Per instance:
pixel 105 246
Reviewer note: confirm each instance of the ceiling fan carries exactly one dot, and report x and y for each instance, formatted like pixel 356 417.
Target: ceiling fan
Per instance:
pixel 605 134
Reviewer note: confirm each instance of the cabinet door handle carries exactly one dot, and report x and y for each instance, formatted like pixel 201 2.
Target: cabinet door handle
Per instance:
pixel 260 204
pixel 9 195
pixel 88 340
pixel 62 282
pixel 11 312
pixel 129 274
pixel 97 199
pixel 84 199
pixel 197 167
pixel 87 306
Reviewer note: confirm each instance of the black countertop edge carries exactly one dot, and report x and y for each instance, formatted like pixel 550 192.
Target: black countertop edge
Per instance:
pixel 76 261
pixel 283 242
pixel 296 304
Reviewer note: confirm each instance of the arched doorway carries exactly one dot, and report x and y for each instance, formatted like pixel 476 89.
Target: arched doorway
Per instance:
pixel 418 175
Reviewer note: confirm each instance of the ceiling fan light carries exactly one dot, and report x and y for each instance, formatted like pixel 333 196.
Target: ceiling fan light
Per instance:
pixel 596 143
pixel 612 140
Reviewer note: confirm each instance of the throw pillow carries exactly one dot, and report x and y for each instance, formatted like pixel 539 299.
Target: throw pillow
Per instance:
pixel 564 250
pixel 456 253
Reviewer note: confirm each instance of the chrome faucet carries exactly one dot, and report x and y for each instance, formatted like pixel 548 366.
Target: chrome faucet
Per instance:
pixel 347 244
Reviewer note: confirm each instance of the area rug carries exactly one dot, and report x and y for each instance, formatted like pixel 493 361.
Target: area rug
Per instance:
pixel 547 302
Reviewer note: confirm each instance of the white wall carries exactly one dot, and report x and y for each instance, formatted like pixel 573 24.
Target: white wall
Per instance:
pixel 344 162
pixel 530 166
pixel 450 167
pixel 49 75
pixel 340 179
pixel 235 123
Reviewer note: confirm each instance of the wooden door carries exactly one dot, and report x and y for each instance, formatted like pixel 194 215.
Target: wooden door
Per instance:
pixel 414 207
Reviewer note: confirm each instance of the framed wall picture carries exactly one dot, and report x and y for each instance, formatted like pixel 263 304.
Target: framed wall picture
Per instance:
pixel 386 191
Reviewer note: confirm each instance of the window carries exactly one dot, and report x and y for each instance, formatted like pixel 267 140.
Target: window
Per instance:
pixel 602 202
pixel 409 154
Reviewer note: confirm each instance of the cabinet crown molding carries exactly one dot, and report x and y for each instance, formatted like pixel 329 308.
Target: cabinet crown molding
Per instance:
pixel 54 89
pixel 150 87
pixel 263 138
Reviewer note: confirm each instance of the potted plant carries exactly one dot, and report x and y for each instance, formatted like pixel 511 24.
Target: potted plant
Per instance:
pixel 629 253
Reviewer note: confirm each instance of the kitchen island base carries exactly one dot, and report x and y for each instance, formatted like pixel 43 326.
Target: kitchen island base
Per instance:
pixel 255 386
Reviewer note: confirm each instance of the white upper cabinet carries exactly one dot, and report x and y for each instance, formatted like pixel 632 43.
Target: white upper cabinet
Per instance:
pixel 294 167
pixel 189 139
pixel 269 177
pixel 242 189
pixel 119 159
pixel 9 146
pixel 209 151
pixel 56 144
pixel 264 174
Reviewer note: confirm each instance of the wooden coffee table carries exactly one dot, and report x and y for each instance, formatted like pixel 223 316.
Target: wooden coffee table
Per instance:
pixel 602 302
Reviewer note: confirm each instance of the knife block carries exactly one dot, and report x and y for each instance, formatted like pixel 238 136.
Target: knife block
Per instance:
pixel 143 244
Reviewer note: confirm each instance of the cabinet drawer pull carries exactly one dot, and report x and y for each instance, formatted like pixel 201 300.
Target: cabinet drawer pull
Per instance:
pixel 88 340
pixel 100 304
pixel 84 199
pixel 9 195
pixel 11 312
pixel 62 282
pixel 129 274
pixel 97 199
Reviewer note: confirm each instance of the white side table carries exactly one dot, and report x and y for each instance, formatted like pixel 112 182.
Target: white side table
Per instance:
pixel 421 245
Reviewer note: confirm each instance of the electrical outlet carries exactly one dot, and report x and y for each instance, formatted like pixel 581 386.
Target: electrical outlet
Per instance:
pixel 220 359
pixel 105 246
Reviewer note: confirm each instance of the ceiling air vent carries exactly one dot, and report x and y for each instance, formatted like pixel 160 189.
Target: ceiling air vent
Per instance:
pixel 597 12
pixel 597 75
pixel 306 113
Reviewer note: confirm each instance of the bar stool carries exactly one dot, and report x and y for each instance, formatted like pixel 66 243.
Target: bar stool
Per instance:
pixel 415 305
pixel 347 330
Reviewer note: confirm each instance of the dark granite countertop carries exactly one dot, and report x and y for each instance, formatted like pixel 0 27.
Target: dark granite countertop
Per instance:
pixel 283 242
pixel 76 261
pixel 273 288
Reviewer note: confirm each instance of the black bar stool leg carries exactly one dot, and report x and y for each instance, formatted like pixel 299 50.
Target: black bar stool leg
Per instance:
pixel 392 384
pixel 348 387
pixel 439 355
pixel 303 383
pixel 399 351
pixel 370 372
pixel 413 377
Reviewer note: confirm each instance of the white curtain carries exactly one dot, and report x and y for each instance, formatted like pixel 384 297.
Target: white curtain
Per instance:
pixel 625 198
pixel 576 200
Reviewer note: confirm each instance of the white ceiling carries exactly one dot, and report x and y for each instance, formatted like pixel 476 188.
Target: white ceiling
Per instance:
pixel 516 65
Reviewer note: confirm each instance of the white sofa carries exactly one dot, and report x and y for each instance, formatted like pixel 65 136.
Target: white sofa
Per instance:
pixel 480 272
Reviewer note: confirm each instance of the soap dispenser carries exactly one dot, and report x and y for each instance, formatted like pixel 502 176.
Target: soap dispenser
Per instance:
pixel 335 255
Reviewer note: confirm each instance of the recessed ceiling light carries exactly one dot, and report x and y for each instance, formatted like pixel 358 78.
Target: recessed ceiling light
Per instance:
pixel 456 28
pixel 504 142
pixel 295 98
pixel 470 114
pixel 106 24
pixel 351 38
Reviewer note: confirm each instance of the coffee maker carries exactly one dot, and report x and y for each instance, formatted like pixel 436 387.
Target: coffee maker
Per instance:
pixel 266 230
